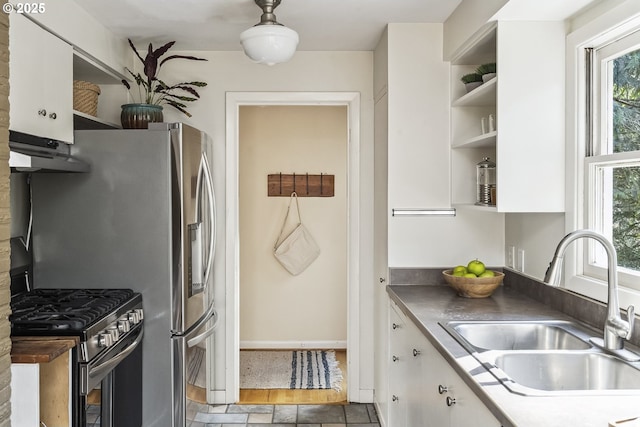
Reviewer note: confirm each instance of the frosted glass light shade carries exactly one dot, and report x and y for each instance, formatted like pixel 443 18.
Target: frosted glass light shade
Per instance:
pixel 269 44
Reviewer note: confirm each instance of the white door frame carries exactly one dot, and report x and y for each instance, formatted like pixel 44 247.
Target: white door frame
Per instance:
pixel 233 101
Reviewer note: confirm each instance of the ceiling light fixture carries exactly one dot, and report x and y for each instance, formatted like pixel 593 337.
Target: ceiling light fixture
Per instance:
pixel 269 42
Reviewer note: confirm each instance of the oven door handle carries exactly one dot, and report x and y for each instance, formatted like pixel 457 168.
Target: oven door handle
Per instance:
pixel 111 363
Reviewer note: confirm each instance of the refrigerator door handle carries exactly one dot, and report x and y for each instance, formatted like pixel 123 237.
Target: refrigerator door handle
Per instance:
pixel 211 312
pixel 212 216
pixel 196 280
pixel 199 338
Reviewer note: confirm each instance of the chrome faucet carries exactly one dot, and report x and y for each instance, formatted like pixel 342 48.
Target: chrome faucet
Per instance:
pixel 616 329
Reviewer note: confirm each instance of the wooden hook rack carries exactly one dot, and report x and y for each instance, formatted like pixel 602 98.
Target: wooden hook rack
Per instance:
pixel 305 185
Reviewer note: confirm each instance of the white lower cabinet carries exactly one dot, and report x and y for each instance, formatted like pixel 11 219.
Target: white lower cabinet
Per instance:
pixel 424 388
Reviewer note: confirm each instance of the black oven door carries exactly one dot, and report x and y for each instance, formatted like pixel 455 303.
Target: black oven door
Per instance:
pixel 110 386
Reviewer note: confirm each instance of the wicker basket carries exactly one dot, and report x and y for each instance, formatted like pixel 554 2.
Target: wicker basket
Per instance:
pixel 85 97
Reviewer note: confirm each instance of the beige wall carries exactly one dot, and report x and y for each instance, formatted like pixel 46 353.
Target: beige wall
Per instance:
pixel 5 217
pixel 276 308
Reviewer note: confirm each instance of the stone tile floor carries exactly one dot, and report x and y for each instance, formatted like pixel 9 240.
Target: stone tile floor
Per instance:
pixel 352 415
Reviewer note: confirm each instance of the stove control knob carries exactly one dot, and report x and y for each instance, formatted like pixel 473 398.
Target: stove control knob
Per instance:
pixel 133 318
pixel 105 340
pixel 123 326
pixel 140 313
pixel 114 332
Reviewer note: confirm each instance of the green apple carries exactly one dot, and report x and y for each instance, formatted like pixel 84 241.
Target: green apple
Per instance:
pixel 459 269
pixel 470 275
pixel 487 273
pixel 459 273
pixel 476 267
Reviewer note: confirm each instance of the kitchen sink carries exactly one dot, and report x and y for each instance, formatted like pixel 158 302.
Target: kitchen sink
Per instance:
pixel 545 358
pixel 507 335
pixel 570 371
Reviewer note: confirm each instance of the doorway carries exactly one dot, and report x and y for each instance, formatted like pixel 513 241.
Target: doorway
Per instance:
pixel 351 181
pixel 281 312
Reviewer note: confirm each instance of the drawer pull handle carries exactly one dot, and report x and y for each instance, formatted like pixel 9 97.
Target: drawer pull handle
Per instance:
pixel 442 389
pixel 450 401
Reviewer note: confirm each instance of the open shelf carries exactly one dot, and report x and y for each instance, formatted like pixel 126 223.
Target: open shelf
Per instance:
pixel 482 96
pixel 471 206
pixel 83 121
pixel 487 140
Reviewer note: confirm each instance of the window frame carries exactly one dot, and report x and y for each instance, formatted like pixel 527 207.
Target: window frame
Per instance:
pixel 605 30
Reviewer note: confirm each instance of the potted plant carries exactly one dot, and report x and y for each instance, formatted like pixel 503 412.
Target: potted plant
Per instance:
pixel 471 81
pixel 153 92
pixel 487 71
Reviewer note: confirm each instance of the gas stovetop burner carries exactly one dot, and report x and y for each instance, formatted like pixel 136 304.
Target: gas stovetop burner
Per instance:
pixel 64 310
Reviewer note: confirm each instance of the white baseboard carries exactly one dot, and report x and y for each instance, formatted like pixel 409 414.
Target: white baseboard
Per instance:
pixel 293 345
pixel 365 396
pixel 381 420
pixel 219 397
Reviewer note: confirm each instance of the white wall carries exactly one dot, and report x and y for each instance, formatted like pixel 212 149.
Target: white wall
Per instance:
pixel 537 234
pixel 278 310
pixel 306 72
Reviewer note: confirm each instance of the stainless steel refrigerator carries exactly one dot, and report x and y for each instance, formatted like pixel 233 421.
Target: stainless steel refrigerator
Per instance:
pixel 142 218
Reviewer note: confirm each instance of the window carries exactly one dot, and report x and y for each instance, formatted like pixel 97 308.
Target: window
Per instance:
pixel 612 161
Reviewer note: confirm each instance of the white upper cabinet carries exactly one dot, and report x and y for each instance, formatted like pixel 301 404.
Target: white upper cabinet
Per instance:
pixel 526 103
pixel 41 87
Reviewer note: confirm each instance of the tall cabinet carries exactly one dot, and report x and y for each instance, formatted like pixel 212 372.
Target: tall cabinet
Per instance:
pixel 410 157
pixel 526 100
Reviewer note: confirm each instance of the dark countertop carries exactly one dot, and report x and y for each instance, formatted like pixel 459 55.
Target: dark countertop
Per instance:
pixel 40 349
pixel 427 305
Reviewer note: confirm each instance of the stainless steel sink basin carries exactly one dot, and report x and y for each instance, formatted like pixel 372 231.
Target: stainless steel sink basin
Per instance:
pixel 545 358
pixel 556 335
pixel 565 373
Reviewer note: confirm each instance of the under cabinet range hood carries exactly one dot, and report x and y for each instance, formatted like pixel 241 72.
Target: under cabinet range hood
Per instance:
pixel 29 153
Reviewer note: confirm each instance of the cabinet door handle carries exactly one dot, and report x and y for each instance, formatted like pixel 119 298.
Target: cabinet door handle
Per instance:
pixel 451 401
pixel 395 326
pixel 382 280
pixel 442 389
pixel 53 116
pixel 416 353
pixel 42 112
pixel 395 358
pixel 394 398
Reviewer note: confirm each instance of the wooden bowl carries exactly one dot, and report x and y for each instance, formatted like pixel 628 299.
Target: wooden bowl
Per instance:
pixel 470 287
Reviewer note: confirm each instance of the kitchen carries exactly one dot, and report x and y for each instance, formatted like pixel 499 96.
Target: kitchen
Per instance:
pixel 416 178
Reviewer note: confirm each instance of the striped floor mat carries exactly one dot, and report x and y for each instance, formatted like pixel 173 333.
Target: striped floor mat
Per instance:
pixel 308 369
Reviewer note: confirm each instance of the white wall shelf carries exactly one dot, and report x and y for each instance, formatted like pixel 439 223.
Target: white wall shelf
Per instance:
pixel 482 96
pixel 487 140
pixel 474 207
pixel 83 121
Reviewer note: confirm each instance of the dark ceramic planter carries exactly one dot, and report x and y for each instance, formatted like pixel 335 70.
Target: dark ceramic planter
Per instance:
pixel 138 116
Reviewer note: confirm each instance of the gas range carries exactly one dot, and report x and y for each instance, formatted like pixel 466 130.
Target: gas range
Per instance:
pixel 109 323
pixel 99 317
